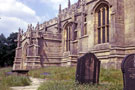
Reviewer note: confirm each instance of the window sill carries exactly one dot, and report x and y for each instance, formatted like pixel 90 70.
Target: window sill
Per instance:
pixel 84 36
pixel 102 46
pixel 85 23
pixel 75 41
pixel 75 30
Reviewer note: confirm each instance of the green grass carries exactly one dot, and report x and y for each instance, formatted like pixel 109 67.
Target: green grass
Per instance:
pixel 6 81
pixel 56 73
pixel 71 85
pixel 63 78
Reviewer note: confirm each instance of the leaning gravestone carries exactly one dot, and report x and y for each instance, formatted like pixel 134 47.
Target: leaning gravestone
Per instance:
pixel 88 68
pixel 128 69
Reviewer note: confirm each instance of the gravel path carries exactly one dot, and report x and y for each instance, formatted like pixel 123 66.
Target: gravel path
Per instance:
pixel 34 85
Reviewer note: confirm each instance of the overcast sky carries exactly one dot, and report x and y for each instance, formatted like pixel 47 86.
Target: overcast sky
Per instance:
pixel 20 13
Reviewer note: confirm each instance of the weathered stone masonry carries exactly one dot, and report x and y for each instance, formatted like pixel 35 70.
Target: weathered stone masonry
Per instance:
pixel 103 27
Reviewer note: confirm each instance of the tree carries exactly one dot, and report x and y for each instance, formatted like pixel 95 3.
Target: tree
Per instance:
pixel 3 47
pixel 7 49
pixel 10 54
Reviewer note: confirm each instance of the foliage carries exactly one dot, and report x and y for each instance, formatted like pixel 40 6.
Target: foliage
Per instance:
pixel 7 81
pixel 63 78
pixel 7 49
pixel 3 46
pixel 14 80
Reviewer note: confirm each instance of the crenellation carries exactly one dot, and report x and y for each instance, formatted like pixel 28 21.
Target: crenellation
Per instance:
pixel 50 35
pixel 51 22
pixel 64 15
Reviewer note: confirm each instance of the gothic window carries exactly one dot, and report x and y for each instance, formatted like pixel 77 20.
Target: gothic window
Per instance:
pixel 84 32
pixel 75 32
pixel 25 51
pixel 70 34
pixel 102 26
pixel 67 32
pixel 85 25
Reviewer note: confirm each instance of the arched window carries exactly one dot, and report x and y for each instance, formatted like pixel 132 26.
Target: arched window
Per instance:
pixel 74 32
pixel 85 25
pixel 102 23
pixel 70 34
pixel 68 37
pixel 84 32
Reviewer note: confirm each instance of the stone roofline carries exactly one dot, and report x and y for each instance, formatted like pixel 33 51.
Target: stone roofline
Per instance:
pixel 64 14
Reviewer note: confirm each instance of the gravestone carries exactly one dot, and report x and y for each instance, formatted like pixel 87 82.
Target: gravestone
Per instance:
pixel 128 70
pixel 88 68
pixel 21 72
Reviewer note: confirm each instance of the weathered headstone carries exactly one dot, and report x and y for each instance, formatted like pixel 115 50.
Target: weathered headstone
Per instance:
pixel 128 69
pixel 88 68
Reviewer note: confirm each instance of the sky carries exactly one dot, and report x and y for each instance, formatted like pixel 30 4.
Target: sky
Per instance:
pixel 20 13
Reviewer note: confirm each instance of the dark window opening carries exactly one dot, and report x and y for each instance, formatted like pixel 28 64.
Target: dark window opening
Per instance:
pixel 99 36
pixel 107 34
pixel 99 18
pixel 103 16
pixel 103 35
pixel 84 32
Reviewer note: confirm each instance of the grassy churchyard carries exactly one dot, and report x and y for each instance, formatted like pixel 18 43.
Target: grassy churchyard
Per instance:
pixel 7 80
pixel 62 78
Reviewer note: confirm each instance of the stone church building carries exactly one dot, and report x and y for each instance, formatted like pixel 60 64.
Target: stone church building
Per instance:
pixel 103 27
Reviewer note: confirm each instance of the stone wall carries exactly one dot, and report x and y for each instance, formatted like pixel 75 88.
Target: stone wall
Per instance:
pixel 50 49
pixel 129 22
pixel 46 41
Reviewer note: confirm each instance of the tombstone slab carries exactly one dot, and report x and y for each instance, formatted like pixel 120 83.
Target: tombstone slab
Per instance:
pixel 88 68
pixel 128 70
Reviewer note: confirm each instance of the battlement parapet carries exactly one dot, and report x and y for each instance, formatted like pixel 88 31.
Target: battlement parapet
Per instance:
pixel 51 22
pixel 71 9
pixel 65 13
pixel 50 35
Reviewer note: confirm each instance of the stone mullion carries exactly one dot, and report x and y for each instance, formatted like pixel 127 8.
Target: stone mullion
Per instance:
pixel 68 38
pixel 101 29
pixel 65 38
pixel 96 40
pixel 82 26
pixel 28 51
pixel 108 30
pixel 105 24
pixel 73 31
